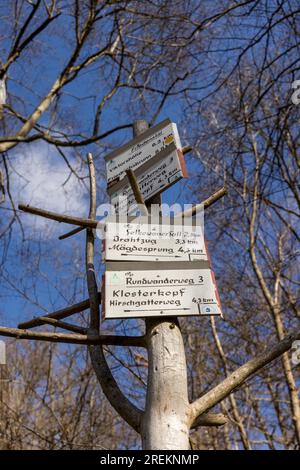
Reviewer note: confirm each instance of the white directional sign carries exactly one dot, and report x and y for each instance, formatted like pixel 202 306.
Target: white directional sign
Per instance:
pixel 141 149
pixel 159 289
pixel 148 239
pixel 153 177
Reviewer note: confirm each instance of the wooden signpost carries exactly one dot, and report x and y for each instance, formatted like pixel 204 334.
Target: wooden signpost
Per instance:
pixel 154 268
pixel 143 239
pixel 154 176
pixel 159 289
pixel 140 149
pixel 152 282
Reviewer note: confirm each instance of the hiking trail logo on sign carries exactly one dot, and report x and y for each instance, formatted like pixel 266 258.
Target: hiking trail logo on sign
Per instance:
pixel 159 289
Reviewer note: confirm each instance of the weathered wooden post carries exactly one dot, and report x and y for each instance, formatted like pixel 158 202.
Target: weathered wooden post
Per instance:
pixel 168 416
pixel 165 421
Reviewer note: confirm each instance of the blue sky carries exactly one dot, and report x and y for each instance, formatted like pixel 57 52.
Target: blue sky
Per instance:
pixel 40 177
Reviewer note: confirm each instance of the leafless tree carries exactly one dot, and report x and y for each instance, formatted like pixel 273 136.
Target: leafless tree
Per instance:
pixel 98 66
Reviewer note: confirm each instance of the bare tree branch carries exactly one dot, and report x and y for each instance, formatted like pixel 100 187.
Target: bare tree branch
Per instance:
pixel 59 314
pixel 131 414
pixel 207 203
pixel 71 233
pixel 89 339
pixel 238 377
pixel 210 419
pixel 64 325
pixel 59 217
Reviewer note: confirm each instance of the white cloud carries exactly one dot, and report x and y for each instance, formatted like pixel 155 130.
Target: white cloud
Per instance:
pixel 40 177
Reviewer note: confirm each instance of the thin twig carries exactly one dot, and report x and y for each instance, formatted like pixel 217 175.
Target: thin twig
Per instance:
pixel 59 314
pixel 64 325
pixel 72 232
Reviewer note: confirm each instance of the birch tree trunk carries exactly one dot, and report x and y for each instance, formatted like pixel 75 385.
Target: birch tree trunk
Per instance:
pixel 165 423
